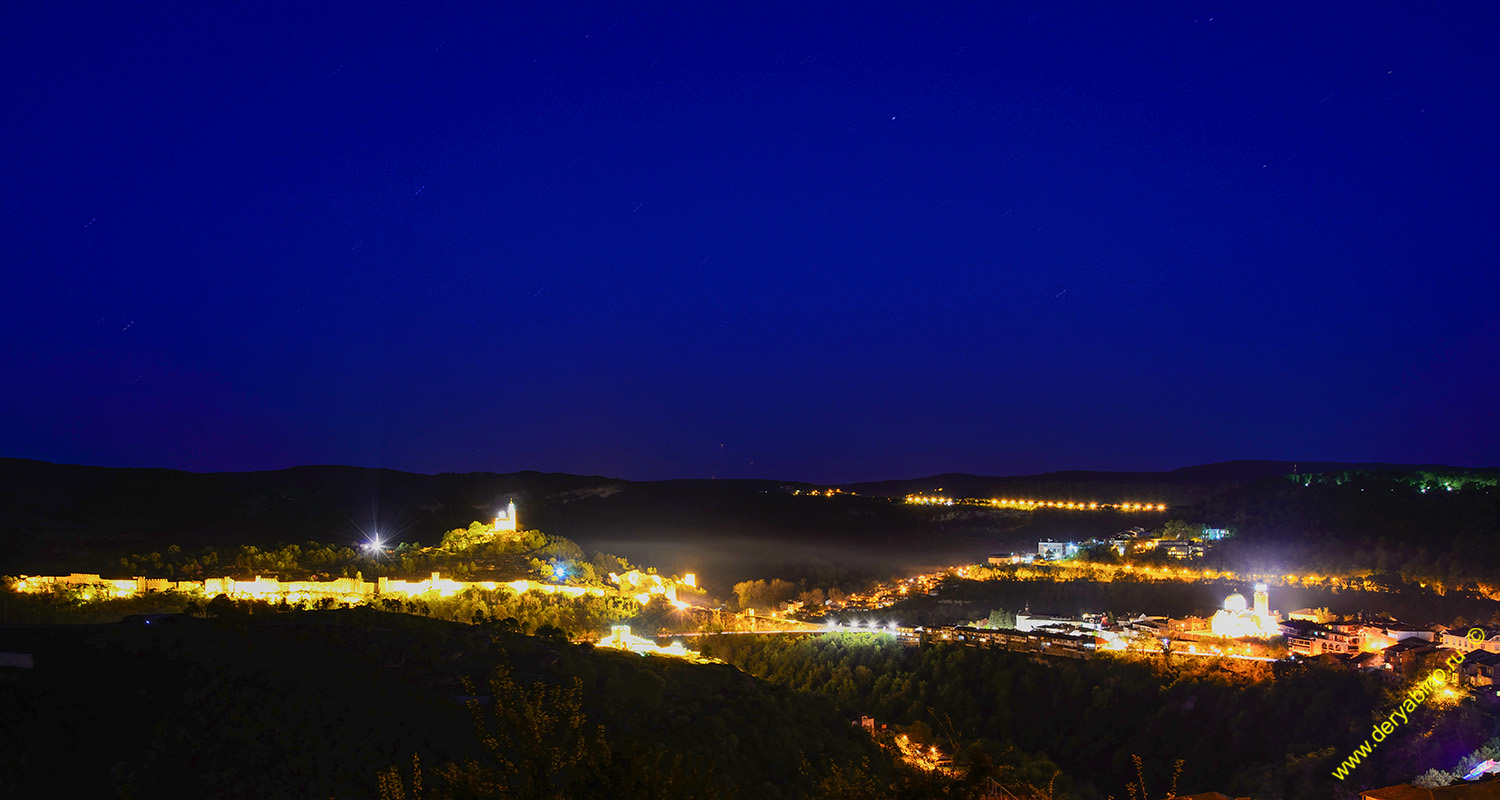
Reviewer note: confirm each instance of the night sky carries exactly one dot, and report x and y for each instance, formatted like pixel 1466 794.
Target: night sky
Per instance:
pixel 823 243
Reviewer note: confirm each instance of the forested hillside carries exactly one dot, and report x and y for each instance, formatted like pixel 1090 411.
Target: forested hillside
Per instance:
pixel 322 704
pixel 1242 728
pixel 1364 522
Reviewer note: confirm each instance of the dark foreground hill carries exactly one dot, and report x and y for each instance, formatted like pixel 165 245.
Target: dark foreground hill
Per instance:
pixel 318 704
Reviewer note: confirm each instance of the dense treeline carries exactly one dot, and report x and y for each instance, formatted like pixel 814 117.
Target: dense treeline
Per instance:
pixel 1435 777
pixel 502 610
pixel 1423 480
pixel 774 593
pixel 1269 731
pixel 574 617
pixel 1364 523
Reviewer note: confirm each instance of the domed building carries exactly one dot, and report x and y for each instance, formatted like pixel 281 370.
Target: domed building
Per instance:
pixel 1236 619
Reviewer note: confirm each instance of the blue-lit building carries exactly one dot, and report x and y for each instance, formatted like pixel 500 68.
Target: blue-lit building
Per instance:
pixel 1051 551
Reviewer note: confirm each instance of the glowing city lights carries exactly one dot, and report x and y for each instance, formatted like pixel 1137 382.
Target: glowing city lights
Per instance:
pixel 620 638
pixel 1033 504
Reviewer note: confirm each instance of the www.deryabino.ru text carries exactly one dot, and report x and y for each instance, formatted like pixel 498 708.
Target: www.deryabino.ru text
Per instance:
pixel 1414 697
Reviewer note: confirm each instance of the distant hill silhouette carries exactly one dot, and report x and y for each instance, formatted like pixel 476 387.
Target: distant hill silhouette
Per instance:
pixel 1177 487
pixel 56 517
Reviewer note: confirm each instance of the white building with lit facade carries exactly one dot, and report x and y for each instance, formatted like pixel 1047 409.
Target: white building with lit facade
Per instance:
pixel 1235 620
pixel 1051 551
pixel 506 520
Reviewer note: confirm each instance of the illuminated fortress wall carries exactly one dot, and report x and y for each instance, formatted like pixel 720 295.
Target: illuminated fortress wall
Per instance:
pixel 643 585
pixel 342 589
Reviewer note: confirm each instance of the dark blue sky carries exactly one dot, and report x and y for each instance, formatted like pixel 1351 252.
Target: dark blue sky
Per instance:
pixel 823 243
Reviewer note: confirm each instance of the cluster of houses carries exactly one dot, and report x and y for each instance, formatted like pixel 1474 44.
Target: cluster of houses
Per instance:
pixel 1396 651
pixel 1135 540
pixel 1041 635
pixel 1047 643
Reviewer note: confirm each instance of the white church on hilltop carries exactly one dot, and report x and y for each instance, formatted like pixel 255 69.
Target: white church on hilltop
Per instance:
pixel 506 520
pixel 1235 620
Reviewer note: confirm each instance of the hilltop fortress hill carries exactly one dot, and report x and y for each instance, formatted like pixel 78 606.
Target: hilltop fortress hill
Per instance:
pixel 637 585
